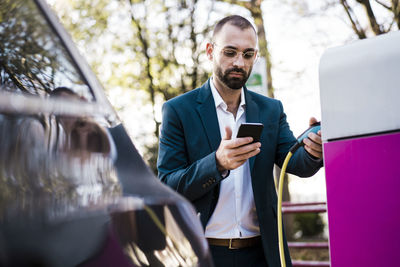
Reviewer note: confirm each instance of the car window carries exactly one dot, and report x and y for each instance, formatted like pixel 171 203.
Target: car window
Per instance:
pixel 33 59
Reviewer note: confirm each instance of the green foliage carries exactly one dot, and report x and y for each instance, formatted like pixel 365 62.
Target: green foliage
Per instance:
pixel 155 46
pixel 85 20
pixel 309 224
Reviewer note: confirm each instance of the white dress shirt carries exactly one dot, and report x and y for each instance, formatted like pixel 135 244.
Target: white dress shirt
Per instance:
pixel 235 214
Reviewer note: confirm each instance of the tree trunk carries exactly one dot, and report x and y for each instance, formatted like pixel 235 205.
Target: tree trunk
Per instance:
pixel 256 13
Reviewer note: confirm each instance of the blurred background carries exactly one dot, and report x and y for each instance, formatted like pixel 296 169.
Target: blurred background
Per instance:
pixel 146 52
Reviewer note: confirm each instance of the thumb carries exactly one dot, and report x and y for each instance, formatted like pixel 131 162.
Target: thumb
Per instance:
pixel 312 121
pixel 228 133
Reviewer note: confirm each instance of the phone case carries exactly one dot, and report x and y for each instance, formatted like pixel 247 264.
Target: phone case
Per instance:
pixel 250 129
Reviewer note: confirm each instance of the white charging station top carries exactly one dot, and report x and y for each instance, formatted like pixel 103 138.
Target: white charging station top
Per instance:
pixel 360 87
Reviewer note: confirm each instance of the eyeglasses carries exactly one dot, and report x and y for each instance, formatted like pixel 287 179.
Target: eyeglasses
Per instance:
pixel 233 53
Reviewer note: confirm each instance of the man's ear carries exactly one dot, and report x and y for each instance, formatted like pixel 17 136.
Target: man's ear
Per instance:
pixel 209 51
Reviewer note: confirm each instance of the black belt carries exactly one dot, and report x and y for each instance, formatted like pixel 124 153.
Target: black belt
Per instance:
pixel 235 243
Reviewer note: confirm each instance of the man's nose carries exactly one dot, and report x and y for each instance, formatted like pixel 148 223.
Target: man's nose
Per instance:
pixel 239 60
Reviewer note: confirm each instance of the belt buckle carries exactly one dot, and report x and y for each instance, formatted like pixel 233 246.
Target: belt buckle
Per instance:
pixel 230 244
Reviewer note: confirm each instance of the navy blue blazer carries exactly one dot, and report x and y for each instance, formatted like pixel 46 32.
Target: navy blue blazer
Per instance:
pixel 189 138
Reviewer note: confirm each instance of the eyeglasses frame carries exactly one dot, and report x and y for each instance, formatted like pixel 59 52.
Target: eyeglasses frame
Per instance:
pixel 238 53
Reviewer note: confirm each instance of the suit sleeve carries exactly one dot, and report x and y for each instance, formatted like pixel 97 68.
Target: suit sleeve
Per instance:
pixel 191 179
pixel 302 163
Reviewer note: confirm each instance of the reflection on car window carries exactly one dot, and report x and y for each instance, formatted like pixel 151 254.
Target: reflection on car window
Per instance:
pixel 41 159
pixel 32 58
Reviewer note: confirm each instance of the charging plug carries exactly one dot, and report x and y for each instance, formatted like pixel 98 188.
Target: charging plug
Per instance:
pixel 314 128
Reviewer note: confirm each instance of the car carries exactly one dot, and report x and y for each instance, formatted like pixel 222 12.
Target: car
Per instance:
pixel 74 191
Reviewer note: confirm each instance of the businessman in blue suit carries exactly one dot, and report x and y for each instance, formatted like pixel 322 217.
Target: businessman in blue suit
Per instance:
pixel 230 180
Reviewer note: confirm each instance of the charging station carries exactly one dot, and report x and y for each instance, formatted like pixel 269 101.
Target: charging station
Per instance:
pixel 360 102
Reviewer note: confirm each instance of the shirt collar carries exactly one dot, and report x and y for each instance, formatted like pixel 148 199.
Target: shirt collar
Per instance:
pixel 218 99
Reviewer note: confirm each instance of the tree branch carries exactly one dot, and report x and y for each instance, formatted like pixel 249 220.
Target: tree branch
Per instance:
pixel 376 28
pixel 384 5
pixel 145 46
pixel 354 22
pixel 396 12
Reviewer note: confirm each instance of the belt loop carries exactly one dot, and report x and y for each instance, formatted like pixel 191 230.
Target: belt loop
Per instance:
pixel 230 243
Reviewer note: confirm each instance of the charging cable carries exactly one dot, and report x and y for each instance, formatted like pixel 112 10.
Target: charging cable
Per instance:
pixel 313 128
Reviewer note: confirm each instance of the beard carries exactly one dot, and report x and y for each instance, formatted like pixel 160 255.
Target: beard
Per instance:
pixel 234 83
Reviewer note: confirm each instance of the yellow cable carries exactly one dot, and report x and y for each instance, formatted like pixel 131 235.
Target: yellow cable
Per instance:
pixel 279 210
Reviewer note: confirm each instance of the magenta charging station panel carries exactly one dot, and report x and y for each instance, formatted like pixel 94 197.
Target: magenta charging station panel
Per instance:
pixel 363 194
pixel 360 107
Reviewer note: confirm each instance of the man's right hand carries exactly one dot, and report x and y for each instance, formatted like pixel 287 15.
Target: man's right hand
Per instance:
pixel 232 153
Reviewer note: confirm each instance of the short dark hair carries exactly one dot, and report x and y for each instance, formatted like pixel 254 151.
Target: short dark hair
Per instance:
pixel 65 92
pixel 234 20
pixel 62 90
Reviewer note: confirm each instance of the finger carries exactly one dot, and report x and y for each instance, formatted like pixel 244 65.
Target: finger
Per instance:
pixel 240 160
pixel 312 121
pixel 312 145
pixel 235 161
pixel 237 164
pixel 238 142
pixel 315 138
pixel 242 150
pixel 313 152
pixel 246 156
pixel 228 133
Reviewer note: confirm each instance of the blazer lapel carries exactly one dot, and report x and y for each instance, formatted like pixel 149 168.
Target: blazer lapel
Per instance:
pixel 209 119
pixel 252 115
pixel 208 116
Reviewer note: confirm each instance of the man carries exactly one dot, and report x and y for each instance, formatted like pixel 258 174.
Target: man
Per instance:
pixel 230 181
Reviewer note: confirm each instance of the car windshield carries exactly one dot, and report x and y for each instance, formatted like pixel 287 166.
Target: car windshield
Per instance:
pixel 32 57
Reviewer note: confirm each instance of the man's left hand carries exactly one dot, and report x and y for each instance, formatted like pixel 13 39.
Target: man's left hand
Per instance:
pixel 313 143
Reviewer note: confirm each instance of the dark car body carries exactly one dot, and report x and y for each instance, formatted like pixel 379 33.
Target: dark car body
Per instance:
pixel 74 191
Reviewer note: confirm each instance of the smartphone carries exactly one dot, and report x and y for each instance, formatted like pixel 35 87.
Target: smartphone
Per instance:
pixel 250 129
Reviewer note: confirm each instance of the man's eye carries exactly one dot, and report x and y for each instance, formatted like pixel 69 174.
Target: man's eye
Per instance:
pixel 248 54
pixel 230 53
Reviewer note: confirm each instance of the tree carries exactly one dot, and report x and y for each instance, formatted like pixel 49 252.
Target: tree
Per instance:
pixel 25 60
pixel 366 18
pixel 162 42
pixel 380 16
